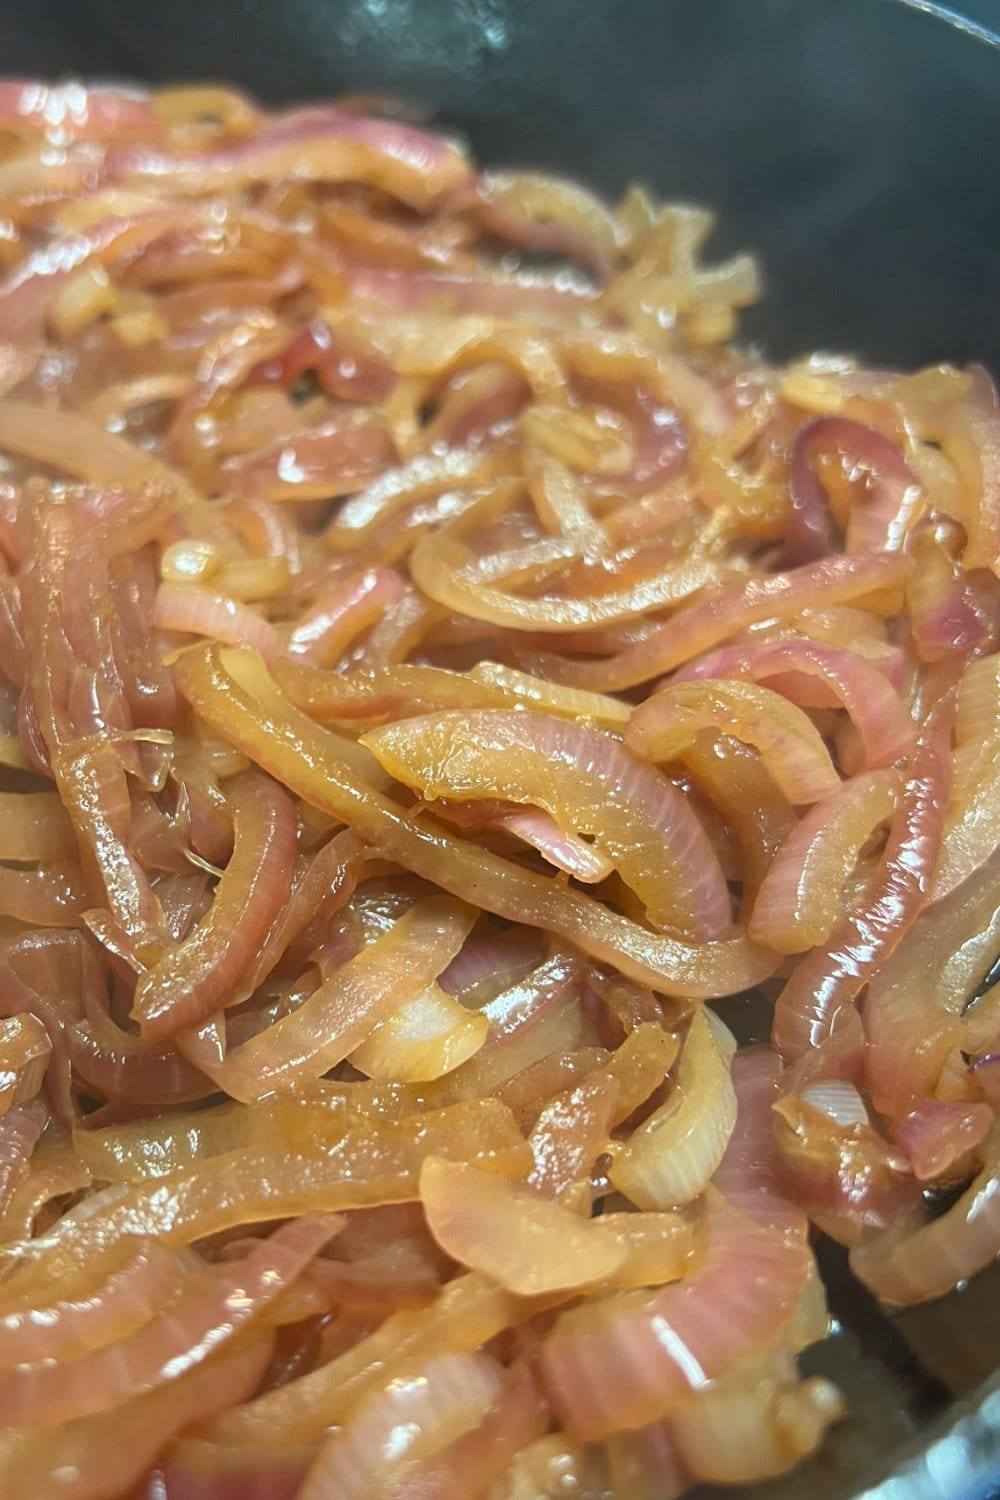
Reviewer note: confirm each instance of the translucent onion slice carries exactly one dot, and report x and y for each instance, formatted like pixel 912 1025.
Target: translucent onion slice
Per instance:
pixel 479 1461
pixel 584 780
pixel 323 634
pixel 757 816
pixel 790 746
pixel 673 1155
pixel 801 896
pixel 942 617
pixel 570 1133
pixel 470 1213
pixel 883 495
pixel 438 563
pixel 750 1173
pixel 970 436
pixel 193 610
pixel 85 449
pixel 970 834
pixel 938 1135
pixel 819 676
pixel 699 626
pixel 99 1455
pixel 25 1049
pixel 292 747
pixel 549 697
pixel 316 464
pixel 566 851
pixel 34 827
pixel 829 978
pixel 342 1013
pixel 467 1315
pixel 373 1162
pixel 208 1312
pixel 838 1099
pixel 204 973
pixel 29 107
pixel 846 1177
pixel 423 1039
pixel 320 144
pixel 621 1363
pixel 914 1004
pixel 52 1175
pixel 546 213
pixel 142 1149
pixel 903 1266
pixel 423 479
pixel 411 1419
pixel 20 1128
pixel 754 1424
pixel 70 1327
pixel 397 692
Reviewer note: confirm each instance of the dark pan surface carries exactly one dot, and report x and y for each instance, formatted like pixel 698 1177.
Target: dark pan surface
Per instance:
pixel 853 143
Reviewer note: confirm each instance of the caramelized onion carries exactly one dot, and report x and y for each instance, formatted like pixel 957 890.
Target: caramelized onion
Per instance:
pixel 170 1344
pixel 904 1266
pixel 426 678
pixel 617 1365
pixel 587 782
pixel 203 974
pixel 671 1157
pixel 791 748
pixel 282 738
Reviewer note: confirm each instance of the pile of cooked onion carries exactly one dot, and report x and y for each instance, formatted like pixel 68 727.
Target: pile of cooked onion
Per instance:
pixel 436 661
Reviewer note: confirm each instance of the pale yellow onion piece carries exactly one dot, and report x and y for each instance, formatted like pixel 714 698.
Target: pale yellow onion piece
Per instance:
pixel 427 1037
pixel 376 1161
pixel 527 1244
pixel 755 1423
pixel 397 692
pixel 338 1016
pixel 94 208
pixel 250 579
pixel 672 1156
pixel 361 761
pixel 977 724
pixel 559 498
pixel 567 703
pixel 657 1247
pixel 586 782
pixel 427 344
pixel 437 562
pixel 144 390
pixel 192 104
pixel 190 561
pixel 602 354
